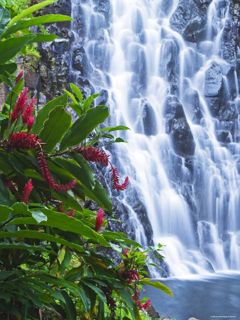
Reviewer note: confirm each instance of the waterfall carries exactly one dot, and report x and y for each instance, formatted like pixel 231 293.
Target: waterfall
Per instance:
pixel 167 69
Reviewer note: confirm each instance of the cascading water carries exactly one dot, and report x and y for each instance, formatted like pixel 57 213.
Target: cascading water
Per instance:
pixel 173 84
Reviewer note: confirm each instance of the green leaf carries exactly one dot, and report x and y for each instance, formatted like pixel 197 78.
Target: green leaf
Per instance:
pixel 5 198
pixel 8 67
pixel 64 223
pixel 23 246
pixel 70 309
pixel 94 288
pixel 36 21
pixel 9 48
pixel 4 213
pixel 29 11
pixel 29 234
pixel 4 18
pixel 39 216
pixel 71 96
pixel 84 126
pixel 43 114
pixel 116 128
pixel 88 102
pixel 80 169
pixel 158 285
pixel 76 91
pixel 55 128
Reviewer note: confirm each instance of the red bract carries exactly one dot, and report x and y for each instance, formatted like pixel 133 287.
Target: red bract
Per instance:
pixel 94 155
pixel 71 213
pixel 27 191
pixel 27 115
pixel 24 140
pixel 19 76
pixel 20 104
pixel 125 252
pixel 115 180
pixel 141 305
pixel 146 305
pixel 99 219
pixel 42 162
pixel 131 276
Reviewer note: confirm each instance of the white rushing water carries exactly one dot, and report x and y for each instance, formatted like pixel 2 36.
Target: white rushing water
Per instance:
pixel 192 204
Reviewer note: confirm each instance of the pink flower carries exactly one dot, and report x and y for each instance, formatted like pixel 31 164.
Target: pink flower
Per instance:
pixel 99 219
pixel 94 155
pixel 19 76
pixel 115 180
pixel 27 191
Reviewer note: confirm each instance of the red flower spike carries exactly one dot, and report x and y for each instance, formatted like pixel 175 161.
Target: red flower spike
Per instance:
pixel 30 122
pixel 23 140
pixel 146 305
pixel 125 252
pixel 20 104
pixel 131 276
pixel 19 76
pixel 28 112
pixel 71 213
pixel 27 191
pixel 115 180
pixel 99 219
pixel 42 162
pixel 94 155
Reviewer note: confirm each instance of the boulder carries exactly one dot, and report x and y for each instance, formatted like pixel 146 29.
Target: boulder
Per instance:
pixel 149 119
pixel 189 19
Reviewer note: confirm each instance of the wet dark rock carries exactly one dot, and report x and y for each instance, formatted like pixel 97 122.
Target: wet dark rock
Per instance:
pixel 169 61
pixel 229 39
pixel 213 81
pixel 214 89
pixel 178 127
pixel 80 61
pixel 189 19
pixel 149 119
pixel 182 138
pixel 192 104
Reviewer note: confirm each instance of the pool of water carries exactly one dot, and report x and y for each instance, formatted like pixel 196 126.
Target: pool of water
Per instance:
pixel 214 297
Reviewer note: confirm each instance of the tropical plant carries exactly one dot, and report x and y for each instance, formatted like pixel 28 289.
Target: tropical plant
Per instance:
pixel 16 35
pixel 56 255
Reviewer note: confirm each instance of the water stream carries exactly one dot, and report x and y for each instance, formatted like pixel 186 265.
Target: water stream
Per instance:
pixel 182 153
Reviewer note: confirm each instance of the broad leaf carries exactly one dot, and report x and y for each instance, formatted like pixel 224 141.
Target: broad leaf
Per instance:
pixel 9 48
pixel 29 11
pixel 84 126
pixel 158 285
pixel 54 128
pixel 43 114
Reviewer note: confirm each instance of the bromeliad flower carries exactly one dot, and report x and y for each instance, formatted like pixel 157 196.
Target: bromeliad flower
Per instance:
pixel 99 219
